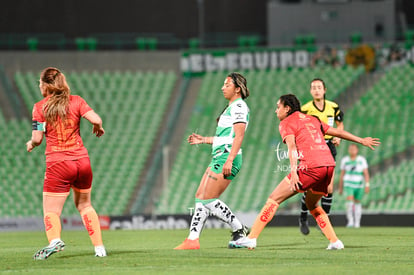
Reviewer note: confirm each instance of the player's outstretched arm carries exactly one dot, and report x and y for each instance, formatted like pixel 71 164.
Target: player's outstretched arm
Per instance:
pixel 96 121
pixel 195 139
pixel 368 141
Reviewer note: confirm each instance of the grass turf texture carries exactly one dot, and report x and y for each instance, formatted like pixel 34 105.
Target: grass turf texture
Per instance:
pixel 281 250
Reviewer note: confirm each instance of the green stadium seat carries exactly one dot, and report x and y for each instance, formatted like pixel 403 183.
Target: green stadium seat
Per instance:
pixel 253 41
pixel 141 43
pixel 243 41
pixel 80 43
pixel 300 41
pixel 32 43
pixel 409 35
pixel 356 38
pixel 91 43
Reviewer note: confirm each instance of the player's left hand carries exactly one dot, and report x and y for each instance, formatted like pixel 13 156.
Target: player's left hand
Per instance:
pixel 227 168
pixel 336 141
pixel 98 131
pixel 29 146
pixel 370 142
pixel 366 189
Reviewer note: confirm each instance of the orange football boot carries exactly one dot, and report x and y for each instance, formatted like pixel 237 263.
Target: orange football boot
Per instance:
pixel 189 244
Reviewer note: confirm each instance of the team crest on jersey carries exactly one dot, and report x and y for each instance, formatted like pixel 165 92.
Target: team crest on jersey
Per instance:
pixel 302 116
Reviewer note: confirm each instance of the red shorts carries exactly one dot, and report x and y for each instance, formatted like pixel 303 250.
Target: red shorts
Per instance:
pixel 315 179
pixel 60 176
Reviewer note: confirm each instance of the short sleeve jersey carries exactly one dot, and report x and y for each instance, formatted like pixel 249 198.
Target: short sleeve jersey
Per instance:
pixel 236 112
pixel 312 150
pixel 354 171
pixel 63 140
pixel 328 115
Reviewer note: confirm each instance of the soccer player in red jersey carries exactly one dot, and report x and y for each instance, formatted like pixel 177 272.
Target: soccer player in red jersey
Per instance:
pixel 304 136
pixel 57 117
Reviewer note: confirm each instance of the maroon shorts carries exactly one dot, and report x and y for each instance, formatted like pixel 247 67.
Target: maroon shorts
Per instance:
pixel 60 176
pixel 315 179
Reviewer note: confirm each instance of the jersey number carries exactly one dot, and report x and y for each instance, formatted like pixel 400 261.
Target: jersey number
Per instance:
pixel 314 133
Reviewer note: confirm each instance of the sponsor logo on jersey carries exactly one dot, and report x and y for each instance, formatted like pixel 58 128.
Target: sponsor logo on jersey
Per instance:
pixel 239 115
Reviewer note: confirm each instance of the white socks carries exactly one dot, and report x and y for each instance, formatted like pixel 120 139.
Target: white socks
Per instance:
pixel 358 214
pixel 198 221
pixel 350 213
pixel 217 208
pixel 223 212
pixel 353 214
pixel 54 241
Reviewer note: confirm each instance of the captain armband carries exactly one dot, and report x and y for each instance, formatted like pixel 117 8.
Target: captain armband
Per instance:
pixel 38 126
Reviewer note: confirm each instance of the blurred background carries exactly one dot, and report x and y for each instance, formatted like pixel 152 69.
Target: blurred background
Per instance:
pixel 153 70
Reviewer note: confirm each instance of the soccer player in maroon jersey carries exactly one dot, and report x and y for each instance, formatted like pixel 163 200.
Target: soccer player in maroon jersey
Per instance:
pixel 57 117
pixel 303 135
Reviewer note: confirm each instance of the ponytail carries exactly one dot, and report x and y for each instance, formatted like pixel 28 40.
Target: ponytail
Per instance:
pixel 55 85
pixel 240 82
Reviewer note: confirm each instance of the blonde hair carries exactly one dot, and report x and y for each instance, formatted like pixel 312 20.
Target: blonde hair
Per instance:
pixel 55 85
pixel 241 82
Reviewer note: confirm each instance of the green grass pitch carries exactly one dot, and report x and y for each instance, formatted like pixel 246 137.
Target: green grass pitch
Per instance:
pixel 281 250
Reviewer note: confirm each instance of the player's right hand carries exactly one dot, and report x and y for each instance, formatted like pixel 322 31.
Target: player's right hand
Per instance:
pixel 29 146
pixel 195 139
pixel 294 182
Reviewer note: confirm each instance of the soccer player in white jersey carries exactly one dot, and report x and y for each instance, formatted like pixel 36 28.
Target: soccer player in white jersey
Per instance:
pixel 354 178
pixel 225 165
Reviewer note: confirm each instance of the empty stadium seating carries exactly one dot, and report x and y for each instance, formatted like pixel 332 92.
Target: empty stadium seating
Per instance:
pixel 262 169
pixel 384 111
pixel 131 105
